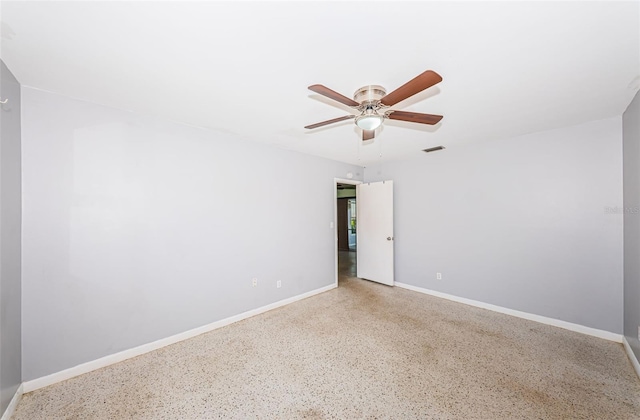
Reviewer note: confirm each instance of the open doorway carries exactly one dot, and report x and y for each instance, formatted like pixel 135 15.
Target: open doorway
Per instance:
pixel 346 230
pixel 365 231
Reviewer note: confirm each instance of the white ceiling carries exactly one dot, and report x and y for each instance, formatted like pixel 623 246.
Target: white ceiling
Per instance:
pixel 509 68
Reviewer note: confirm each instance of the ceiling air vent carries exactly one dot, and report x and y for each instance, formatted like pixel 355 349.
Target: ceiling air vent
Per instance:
pixel 433 149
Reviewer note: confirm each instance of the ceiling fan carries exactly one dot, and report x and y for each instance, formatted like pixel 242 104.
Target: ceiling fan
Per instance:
pixel 373 103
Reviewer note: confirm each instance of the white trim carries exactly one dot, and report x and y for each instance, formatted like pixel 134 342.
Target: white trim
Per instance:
pixel 337 181
pixel 11 408
pixel 631 354
pixel 111 359
pixel 532 317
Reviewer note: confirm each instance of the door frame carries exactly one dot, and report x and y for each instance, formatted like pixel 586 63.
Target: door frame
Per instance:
pixel 337 181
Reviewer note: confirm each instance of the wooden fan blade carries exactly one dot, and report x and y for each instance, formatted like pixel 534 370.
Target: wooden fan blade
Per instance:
pixel 368 134
pixel 325 91
pixel 335 120
pixel 413 86
pixel 415 117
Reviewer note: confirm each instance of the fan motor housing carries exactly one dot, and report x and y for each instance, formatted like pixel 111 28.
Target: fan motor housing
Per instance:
pixel 368 94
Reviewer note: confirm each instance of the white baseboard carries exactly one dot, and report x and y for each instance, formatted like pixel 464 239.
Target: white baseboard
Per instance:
pixel 11 408
pixel 632 356
pixel 532 317
pixel 38 383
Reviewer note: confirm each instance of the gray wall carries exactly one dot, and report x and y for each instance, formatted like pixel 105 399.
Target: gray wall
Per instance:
pixel 521 223
pixel 631 134
pixel 10 222
pixel 137 228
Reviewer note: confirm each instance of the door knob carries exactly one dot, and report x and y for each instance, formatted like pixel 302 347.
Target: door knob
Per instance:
pixel 389 238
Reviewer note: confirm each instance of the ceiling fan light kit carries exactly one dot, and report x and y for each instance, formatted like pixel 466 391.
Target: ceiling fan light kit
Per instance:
pixel 369 121
pixel 373 103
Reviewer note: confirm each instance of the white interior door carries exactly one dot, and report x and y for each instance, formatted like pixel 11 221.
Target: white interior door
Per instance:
pixel 375 231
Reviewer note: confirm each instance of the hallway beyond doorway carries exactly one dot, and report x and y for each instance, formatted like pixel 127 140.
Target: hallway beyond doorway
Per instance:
pixel 346 265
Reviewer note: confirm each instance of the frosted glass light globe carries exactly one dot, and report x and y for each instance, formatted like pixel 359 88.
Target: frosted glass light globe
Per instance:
pixel 369 122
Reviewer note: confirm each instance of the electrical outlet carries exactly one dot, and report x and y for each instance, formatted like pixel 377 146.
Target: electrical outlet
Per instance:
pixel 254 281
pixel 279 284
pixel 438 276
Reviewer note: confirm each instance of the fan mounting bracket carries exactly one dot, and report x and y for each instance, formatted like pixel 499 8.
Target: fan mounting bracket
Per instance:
pixel 369 98
pixel 369 93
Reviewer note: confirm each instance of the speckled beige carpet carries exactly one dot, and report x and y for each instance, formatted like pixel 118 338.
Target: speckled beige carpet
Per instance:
pixel 360 351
